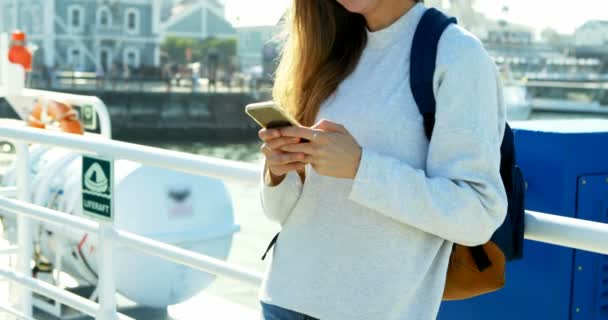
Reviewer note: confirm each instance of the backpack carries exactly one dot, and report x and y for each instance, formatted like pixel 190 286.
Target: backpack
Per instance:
pixel 472 271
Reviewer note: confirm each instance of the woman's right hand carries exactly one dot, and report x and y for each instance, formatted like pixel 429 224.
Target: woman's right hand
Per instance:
pixel 278 162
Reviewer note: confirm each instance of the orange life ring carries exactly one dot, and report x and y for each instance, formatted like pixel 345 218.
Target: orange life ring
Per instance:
pixel 56 111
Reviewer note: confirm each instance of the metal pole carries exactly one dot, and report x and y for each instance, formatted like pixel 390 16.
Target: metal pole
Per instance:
pixel 16 313
pixel 24 227
pixel 194 164
pixel 105 123
pixel 9 192
pixel 9 250
pixel 60 295
pixel 188 258
pixel 106 283
pixel 567 232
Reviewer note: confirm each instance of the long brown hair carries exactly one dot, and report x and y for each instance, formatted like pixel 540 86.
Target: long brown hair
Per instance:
pixel 323 44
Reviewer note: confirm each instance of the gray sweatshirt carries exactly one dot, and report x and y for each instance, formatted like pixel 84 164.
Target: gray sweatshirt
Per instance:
pixel 377 247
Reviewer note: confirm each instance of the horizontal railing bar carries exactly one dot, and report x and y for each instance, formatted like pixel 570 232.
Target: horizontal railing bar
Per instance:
pixel 15 313
pixel 187 257
pixel 65 297
pixel 179 161
pixel 558 230
pixel 9 250
pixel 153 247
pixel 48 215
pixel 568 232
pixel 9 192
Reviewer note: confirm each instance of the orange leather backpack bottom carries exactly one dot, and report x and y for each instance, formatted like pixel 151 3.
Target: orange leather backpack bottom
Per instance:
pixel 464 280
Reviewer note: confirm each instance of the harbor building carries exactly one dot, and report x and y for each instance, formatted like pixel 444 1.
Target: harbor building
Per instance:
pixel 592 33
pixel 89 35
pixel 254 45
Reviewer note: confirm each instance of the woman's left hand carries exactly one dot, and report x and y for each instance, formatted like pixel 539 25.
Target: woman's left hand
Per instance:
pixel 332 150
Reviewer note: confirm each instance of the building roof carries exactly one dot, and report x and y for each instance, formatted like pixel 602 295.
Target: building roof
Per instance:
pixel 172 8
pixel 593 23
pixel 186 18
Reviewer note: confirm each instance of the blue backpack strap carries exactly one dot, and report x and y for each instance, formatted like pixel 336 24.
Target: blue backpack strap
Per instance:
pixel 422 69
pixel 422 63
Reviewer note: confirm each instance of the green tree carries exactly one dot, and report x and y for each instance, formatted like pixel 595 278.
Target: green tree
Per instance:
pixel 176 47
pixel 551 36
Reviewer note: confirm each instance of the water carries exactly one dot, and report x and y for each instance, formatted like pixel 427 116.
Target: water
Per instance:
pixel 248 152
pixel 546 115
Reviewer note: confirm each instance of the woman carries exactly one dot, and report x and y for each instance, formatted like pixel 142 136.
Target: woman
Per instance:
pixel 369 208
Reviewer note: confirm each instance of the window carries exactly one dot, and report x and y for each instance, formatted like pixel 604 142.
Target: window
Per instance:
pixel 132 21
pixel 75 18
pixel 104 17
pixel 75 58
pixel 105 58
pixel 131 57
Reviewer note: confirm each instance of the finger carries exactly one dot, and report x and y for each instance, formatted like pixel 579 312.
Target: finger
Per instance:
pixel 266 150
pixel 277 143
pixel 306 148
pixel 327 125
pixel 283 169
pixel 284 158
pixel 297 132
pixel 267 134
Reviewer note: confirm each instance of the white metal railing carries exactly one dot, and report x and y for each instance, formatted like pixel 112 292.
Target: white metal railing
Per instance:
pixel 108 235
pixel 63 222
pixel 10 192
pixel 12 88
pixel 16 313
pixel 22 101
pixel 178 161
pixel 567 232
pixel 574 233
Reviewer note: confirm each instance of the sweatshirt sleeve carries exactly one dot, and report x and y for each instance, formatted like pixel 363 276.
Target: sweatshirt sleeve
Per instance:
pixel 460 196
pixel 278 201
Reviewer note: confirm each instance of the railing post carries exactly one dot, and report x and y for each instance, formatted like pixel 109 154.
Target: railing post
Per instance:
pixel 106 283
pixel 24 227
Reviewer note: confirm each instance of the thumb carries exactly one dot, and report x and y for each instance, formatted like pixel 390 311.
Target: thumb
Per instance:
pixel 327 125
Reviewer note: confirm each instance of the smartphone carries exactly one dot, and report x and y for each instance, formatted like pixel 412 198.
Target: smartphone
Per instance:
pixel 269 115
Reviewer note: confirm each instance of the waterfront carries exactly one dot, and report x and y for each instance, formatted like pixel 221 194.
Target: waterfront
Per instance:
pixel 249 151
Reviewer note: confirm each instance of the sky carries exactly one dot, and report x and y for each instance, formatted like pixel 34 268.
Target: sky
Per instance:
pixel 562 15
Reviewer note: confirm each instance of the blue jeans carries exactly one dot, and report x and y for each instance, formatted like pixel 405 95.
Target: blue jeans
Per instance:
pixel 272 312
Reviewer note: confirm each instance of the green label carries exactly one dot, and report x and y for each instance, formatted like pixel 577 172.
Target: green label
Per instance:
pixel 87 116
pixel 97 187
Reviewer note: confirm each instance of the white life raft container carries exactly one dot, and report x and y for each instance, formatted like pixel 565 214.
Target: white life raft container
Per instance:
pixel 189 211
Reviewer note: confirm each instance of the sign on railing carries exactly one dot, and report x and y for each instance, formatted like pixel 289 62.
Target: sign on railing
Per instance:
pixel 87 116
pixel 97 188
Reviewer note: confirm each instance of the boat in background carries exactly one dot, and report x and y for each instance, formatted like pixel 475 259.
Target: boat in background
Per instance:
pixel 517 101
pixel 516 96
pixel 570 97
